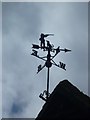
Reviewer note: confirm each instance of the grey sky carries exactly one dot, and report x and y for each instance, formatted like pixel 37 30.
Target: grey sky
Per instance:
pixel 21 26
pixel 45 0
pixel 0 59
pixel 88 48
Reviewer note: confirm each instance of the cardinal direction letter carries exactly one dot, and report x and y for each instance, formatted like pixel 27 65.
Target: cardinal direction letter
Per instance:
pixel 62 65
pixel 39 68
pixel 34 53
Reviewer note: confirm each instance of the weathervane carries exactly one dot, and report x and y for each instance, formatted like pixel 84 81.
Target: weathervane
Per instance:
pixel 48 59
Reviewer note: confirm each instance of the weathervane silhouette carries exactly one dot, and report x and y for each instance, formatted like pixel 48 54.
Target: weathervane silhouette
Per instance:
pixel 48 59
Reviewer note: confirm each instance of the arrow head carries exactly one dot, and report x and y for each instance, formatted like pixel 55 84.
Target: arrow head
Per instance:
pixel 66 50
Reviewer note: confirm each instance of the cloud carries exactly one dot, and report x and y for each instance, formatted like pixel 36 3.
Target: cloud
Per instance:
pixel 22 25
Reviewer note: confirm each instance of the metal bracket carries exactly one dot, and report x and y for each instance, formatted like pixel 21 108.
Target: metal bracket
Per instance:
pixel 43 95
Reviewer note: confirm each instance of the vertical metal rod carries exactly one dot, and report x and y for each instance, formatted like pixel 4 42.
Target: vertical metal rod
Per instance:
pixel 48 83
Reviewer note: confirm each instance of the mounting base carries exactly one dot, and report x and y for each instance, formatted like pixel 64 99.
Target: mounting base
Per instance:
pixel 43 95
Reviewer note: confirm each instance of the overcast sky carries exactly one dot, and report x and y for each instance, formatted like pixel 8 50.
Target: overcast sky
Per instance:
pixel 45 0
pixel 22 24
pixel 0 59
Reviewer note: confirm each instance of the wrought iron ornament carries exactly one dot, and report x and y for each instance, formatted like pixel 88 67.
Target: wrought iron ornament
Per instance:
pixel 48 59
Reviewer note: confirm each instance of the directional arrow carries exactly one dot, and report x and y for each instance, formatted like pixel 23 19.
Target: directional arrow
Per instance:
pixel 66 50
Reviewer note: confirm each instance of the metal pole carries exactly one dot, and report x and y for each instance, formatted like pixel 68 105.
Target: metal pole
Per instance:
pixel 48 83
